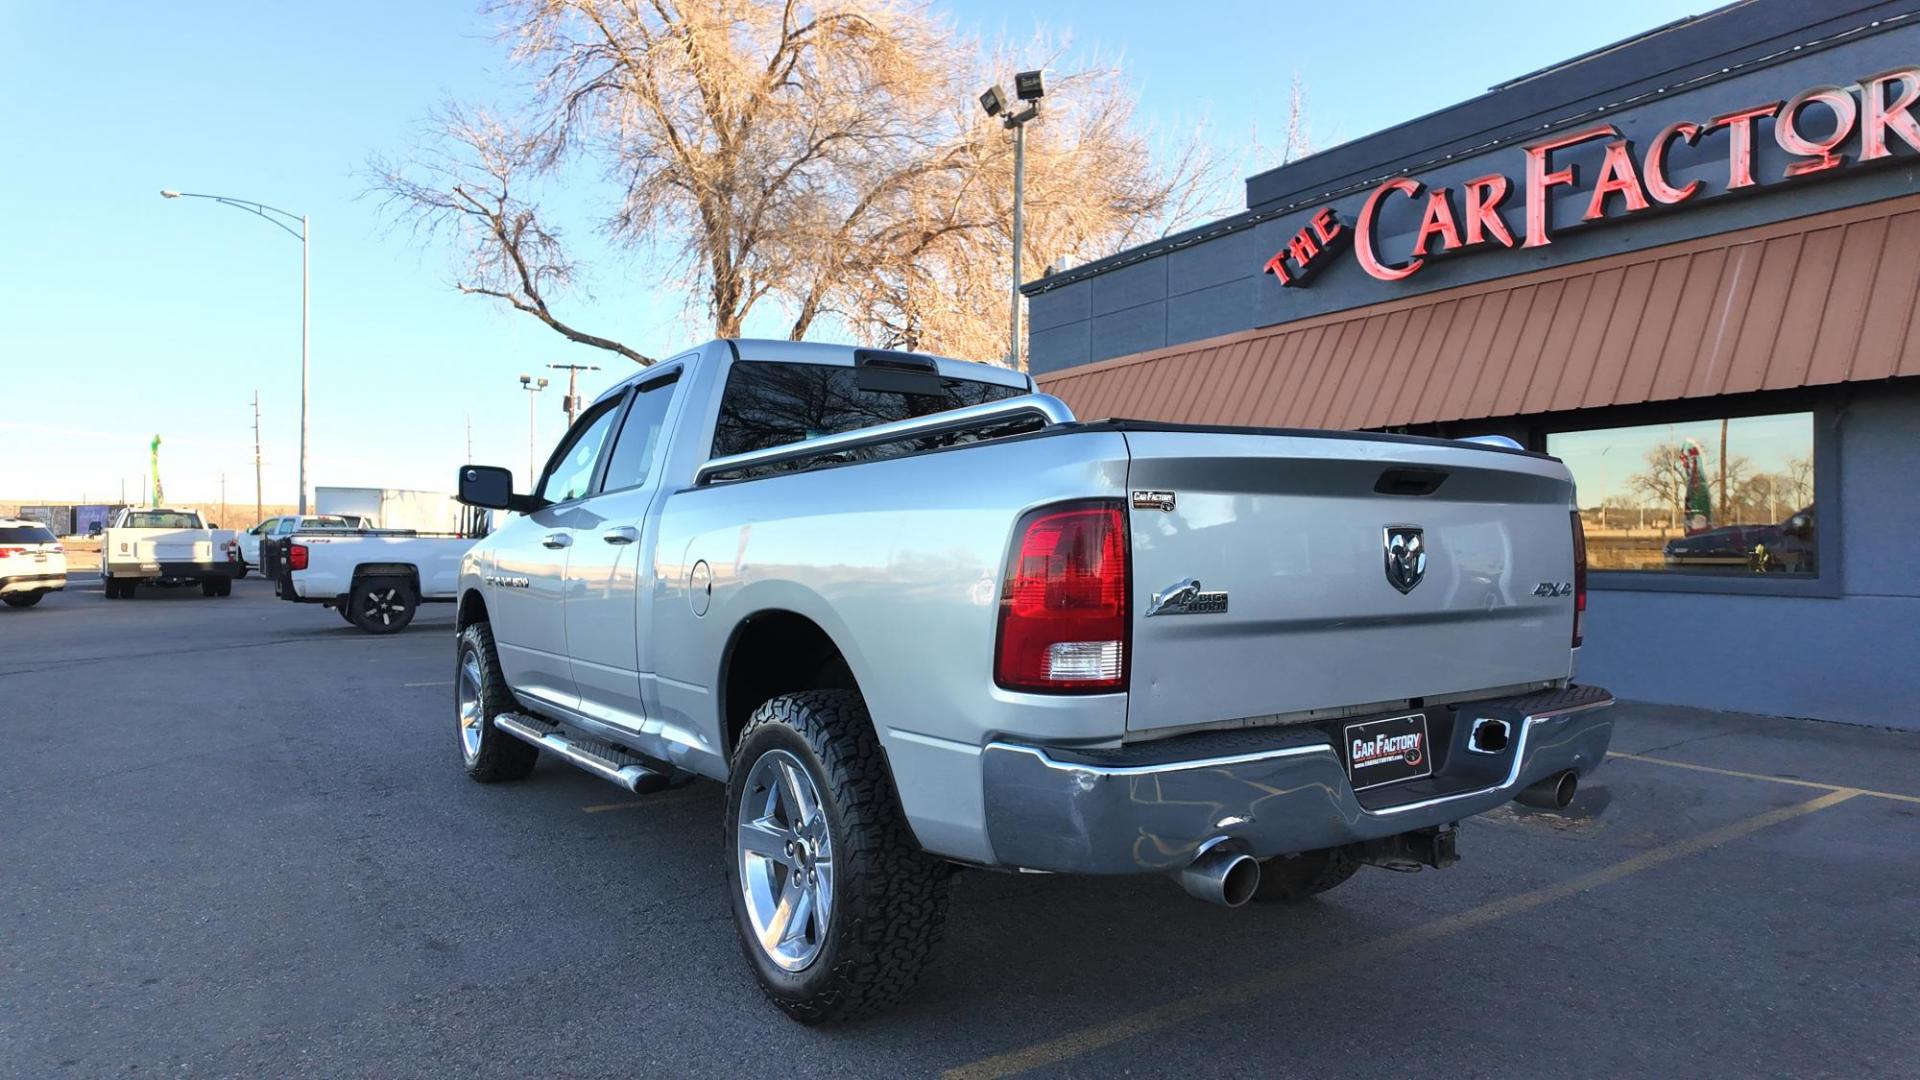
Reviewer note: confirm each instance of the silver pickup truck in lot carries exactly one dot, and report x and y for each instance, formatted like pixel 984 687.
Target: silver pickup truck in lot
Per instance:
pixel 916 616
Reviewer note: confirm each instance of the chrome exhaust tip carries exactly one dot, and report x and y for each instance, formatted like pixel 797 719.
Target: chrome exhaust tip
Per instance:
pixel 1553 793
pixel 1222 875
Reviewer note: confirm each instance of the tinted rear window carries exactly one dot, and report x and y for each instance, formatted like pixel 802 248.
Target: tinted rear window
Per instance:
pixel 163 521
pixel 768 405
pixel 25 534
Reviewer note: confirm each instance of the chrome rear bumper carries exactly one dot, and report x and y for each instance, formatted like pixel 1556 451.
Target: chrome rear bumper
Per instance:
pixel 1276 791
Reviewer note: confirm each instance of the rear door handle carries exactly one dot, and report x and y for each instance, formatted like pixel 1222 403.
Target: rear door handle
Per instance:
pixel 556 540
pixel 622 534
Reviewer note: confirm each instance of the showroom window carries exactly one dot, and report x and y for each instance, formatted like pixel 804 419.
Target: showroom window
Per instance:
pixel 1718 498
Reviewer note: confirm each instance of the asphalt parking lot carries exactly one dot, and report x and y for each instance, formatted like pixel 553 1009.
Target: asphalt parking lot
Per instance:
pixel 235 840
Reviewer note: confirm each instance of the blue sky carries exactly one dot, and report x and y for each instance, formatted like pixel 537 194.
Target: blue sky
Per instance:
pixel 122 314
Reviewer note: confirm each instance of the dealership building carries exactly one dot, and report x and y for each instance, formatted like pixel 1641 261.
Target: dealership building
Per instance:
pixel 1687 264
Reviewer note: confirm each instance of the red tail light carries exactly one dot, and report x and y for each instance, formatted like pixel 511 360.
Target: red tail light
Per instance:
pixel 1579 579
pixel 1063 604
pixel 6 551
pixel 297 557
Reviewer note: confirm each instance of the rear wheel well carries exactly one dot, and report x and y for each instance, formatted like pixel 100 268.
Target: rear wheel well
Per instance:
pixel 405 571
pixel 775 653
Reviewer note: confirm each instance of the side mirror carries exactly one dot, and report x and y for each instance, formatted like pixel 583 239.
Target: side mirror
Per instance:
pixel 213 524
pixel 486 485
pixel 491 487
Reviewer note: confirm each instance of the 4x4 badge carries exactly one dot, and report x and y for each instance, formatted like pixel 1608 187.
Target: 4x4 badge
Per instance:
pixel 1406 556
pixel 1186 598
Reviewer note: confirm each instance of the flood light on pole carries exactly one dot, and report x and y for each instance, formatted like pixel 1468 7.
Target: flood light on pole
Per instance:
pixel 1031 87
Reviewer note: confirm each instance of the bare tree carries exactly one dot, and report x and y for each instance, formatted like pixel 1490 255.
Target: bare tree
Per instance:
pixel 1663 482
pixel 818 157
pixel 474 192
pixel 1299 137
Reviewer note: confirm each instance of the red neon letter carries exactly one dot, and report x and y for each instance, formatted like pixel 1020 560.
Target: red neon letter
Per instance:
pixel 1540 181
pixel 1438 221
pixel 1363 231
pixel 1617 177
pixel 1739 127
pixel 1277 266
pixel 1301 249
pixel 1880 116
pixel 1786 129
pixel 1484 196
pixel 1656 171
pixel 1325 226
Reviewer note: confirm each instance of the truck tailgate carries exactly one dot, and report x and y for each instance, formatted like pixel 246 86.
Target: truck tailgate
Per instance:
pixel 1294 529
pixel 181 546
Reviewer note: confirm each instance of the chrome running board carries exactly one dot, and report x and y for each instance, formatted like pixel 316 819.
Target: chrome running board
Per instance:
pixel 603 759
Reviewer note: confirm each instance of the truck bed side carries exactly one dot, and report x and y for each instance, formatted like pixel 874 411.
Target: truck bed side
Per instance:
pixel 898 561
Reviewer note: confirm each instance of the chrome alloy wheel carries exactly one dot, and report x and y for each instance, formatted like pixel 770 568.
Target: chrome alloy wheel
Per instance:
pixel 473 710
pixel 786 860
pixel 384 605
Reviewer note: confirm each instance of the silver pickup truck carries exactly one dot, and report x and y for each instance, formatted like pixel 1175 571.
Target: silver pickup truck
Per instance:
pixel 916 616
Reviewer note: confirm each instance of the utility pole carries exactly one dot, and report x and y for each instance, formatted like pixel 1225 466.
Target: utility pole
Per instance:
pixel 1724 493
pixel 571 403
pixel 223 496
pixel 258 514
pixel 532 387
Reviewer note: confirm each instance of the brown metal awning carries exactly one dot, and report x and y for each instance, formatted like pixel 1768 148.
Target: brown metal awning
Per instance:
pixel 1823 299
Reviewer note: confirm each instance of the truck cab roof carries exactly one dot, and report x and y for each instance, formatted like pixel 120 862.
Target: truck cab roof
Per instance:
pixel 774 350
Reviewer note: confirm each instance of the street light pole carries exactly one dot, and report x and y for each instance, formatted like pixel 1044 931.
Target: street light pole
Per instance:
pixel 281 219
pixel 532 386
pixel 1030 88
pixel 1019 197
pixel 304 367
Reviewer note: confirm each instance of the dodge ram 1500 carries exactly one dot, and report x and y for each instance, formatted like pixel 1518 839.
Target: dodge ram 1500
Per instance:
pixel 914 615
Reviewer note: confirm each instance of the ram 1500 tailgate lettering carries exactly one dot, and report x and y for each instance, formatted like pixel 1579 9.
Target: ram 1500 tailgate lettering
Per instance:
pixel 1339 573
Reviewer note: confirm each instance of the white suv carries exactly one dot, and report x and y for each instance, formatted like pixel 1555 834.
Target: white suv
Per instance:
pixel 32 562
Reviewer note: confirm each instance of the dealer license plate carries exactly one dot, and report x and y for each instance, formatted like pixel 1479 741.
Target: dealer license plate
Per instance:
pixel 1388 751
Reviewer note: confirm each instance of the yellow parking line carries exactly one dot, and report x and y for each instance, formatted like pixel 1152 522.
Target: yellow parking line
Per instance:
pixel 1192 1008
pixel 1763 776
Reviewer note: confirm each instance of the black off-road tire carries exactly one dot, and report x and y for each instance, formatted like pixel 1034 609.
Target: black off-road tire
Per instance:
pixel 501 756
pixel 1293 878
pixel 382 605
pixel 890 903
pixel 22 599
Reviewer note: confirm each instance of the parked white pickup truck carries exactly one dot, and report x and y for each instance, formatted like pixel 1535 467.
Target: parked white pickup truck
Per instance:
pixel 157 546
pixel 914 615
pixel 375 580
pixel 254 540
